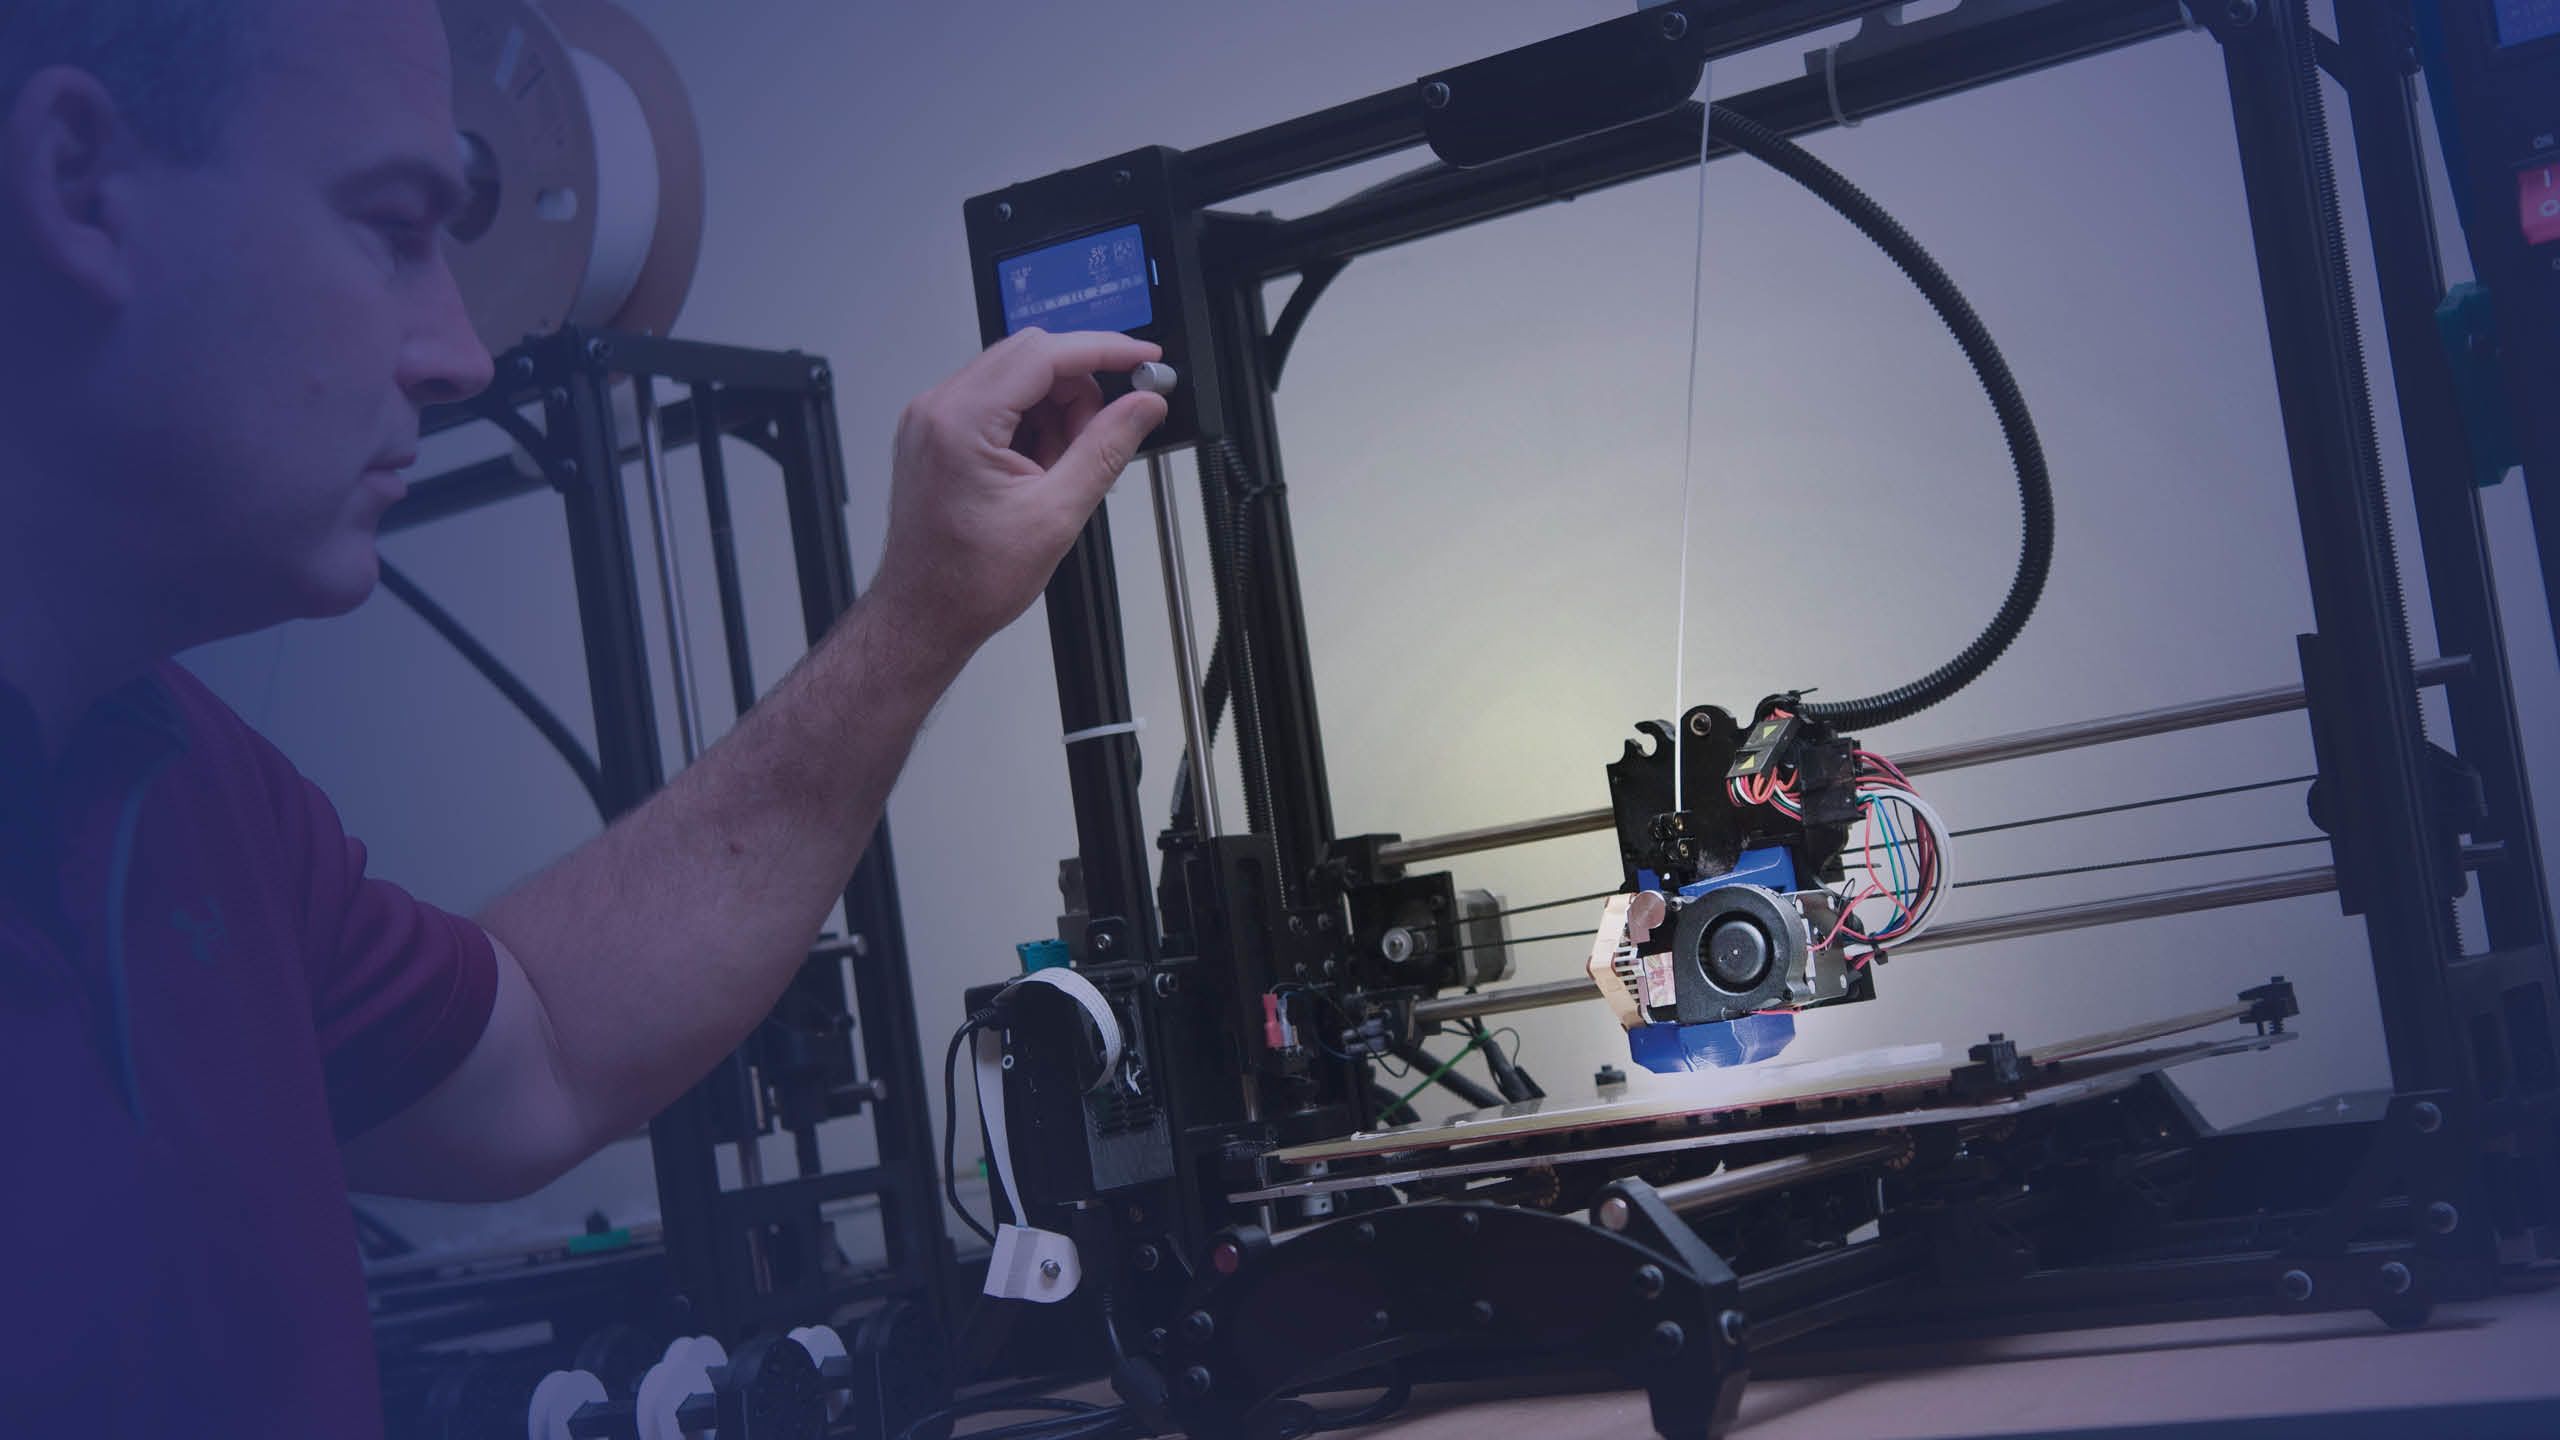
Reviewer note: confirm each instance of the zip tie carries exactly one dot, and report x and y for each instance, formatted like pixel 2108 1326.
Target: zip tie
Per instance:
pixel 1831 84
pixel 1099 732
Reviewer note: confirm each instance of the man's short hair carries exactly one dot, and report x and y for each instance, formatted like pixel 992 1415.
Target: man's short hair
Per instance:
pixel 173 66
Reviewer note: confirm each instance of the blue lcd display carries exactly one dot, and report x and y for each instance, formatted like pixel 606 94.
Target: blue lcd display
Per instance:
pixel 1095 282
pixel 2521 22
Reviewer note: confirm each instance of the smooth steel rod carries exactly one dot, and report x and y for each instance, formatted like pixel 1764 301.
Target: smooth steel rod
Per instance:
pixel 2018 746
pixel 1186 650
pixel 2184 900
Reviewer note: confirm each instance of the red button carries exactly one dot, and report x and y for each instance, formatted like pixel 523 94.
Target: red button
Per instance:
pixel 2538 199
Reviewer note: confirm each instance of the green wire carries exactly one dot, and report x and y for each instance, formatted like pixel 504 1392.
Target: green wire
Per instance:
pixel 1445 1066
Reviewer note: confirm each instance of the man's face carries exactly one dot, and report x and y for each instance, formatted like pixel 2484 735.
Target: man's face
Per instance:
pixel 291 314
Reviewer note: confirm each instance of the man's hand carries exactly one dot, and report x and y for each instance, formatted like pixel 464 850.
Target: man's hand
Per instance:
pixel 996 469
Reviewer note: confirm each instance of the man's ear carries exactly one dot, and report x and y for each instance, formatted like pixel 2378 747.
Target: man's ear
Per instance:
pixel 65 153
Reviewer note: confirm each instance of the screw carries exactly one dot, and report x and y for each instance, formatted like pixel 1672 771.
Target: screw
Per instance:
pixel 1049 1270
pixel 1668 1337
pixel 2429 1119
pixel 1325 922
pixel 1470 1222
pixel 1731 1325
pixel 1004 210
pixel 1197 1380
pixel 598 351
pixel 522 369
pixel 1481 1312
pixel 1103 940
pixel 1006 1063
pixel 2442 1218
pixel 2296 1285
pixel 2394 1278
pixel 1436 95
pixel 1198 1325
pixel 1364 1232
pixel 1700 725
pixel 2241 12
pixel 1378 1320
pixel 557 397
pixel 1297 924
pixel 818 376
pixel 1147 1259
pixel 1121 177
pixel 1165 985
pixel 1674 25
pixel 1648 1280
pixel 1156 1337
pixel 568 467
pixel 1615 1212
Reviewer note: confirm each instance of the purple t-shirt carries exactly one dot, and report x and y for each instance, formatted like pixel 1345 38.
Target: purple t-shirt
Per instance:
pixel 177 1257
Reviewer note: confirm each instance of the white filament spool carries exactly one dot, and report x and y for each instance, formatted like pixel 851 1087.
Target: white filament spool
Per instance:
pixel 584 165
pixel 626 195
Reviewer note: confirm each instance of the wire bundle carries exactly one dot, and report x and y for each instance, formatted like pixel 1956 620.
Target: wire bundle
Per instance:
pixel 1914 874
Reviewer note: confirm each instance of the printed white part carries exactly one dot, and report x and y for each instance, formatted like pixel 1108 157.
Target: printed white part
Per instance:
pixel 556 1400
pixel 824 1344
pixel 1035 1265
pixel 1155 377
pixel 988 1071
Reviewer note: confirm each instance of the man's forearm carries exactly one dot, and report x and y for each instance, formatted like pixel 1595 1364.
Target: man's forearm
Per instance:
pixel 658 946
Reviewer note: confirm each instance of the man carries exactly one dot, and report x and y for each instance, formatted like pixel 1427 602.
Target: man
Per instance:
pixel 223 304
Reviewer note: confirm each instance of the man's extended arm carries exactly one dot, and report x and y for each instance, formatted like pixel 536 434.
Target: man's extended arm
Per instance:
pixel 630 967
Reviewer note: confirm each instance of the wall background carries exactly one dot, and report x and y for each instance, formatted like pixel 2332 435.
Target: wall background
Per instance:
pixel 1484 440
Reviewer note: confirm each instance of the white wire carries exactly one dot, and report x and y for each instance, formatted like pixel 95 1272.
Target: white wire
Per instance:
pixel 1689 448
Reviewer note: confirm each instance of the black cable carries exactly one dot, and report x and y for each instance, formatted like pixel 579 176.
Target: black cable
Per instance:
pixel 951 1125
pixel 1526 939
pixel 1312 283
pixel 2145 860
pixel 2035 490
pixel 2133 805
pixel 495 671
pixel 1541 905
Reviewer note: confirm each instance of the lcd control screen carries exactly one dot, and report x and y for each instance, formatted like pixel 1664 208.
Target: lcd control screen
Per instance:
pixel 1095 282
pixel 2521 22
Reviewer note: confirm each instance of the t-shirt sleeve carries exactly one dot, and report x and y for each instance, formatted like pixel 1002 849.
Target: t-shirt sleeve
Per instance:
pixel 400 990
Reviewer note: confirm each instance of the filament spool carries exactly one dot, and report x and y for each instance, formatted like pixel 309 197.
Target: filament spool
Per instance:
pixel 584 165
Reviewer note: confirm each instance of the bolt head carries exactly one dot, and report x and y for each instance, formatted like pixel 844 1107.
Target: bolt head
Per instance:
pixel 1469 1222
pixel 1481 1312
pixel 2394 1278
pixel 2427 1116
pixel 1379 1320
pixel 1199 1325
pixel 2442 1218
pixel 1674 25
pixel 1615 1212
pixel 1732 1325
pixel 1004 210
pixel 1668 1337
pixel 1197 1379
pixel 1049 1270
pixel 1648 1280
pixel 2295 1285
pixel 1147 1259
pixel 1436 95
pixel 1364 1232
pixel 2241 12
pixel 1164 983
pixel 598 351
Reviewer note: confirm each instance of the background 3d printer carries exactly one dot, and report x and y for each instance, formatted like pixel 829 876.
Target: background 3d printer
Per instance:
pixel 1484 436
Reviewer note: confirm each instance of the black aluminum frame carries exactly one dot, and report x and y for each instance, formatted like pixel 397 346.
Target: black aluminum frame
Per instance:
pixel 2469 1030
pixel 782 404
